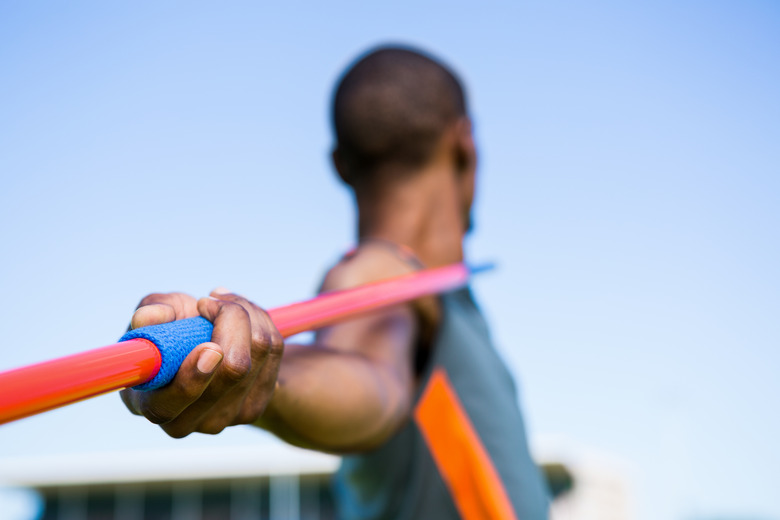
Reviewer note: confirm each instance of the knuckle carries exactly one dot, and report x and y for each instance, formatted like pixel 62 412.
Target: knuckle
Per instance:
pixel 259 351
pixel 237 368
pixel 186 390
pixel 158 415
pixel 150 299
pixel 127 398
pixel 273 342
pixel 176 431
pixel 266 337
pixel 276 348
pixel 228 306
pixel 277 340
pixel 212 427
pixel 237 299
pixel 180 300
pixel 236 310
pixel 259 338
pixel 232 312
pixel 245 416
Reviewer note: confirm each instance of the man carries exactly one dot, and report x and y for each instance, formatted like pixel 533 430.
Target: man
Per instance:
pixel 414 396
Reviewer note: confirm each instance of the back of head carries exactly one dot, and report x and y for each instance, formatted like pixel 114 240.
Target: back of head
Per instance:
pixel 390 109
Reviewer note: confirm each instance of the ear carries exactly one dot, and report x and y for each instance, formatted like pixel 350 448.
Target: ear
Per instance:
pixel 465 150
pixel 465 168
pixel 338 164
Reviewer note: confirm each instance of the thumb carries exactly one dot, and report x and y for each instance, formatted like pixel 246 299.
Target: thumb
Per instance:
pixel 209 357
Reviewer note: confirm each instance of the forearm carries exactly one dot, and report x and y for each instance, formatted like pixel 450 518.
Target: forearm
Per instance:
pixel 336 401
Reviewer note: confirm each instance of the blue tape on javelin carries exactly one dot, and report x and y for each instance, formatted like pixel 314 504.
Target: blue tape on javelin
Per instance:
pixel 174 340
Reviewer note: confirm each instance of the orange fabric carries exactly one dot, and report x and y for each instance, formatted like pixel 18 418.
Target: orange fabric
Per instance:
pixel 458 452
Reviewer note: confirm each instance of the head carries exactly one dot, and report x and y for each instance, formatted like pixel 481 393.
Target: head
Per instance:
pixel 396 111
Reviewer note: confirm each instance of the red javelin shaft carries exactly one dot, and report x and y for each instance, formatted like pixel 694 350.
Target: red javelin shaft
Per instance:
pixel 37 388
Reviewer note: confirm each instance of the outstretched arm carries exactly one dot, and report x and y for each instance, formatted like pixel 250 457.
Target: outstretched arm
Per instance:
pixel 337 399
pixel 348 392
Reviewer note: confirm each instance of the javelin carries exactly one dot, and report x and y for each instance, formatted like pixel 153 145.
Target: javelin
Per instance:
pixel 148 357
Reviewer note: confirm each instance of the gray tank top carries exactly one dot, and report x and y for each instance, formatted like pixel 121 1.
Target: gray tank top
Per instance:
pixel 464 454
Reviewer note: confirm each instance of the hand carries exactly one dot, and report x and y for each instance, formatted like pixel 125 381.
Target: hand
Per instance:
pixel 224 382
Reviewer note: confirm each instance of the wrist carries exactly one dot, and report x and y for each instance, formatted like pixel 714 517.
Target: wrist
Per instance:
pixel 270 415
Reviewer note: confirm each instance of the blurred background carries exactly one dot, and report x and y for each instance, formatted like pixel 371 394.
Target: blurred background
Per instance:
pixel 629 189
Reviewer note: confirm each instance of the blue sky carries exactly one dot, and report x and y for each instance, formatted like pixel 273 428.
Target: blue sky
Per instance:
pixel 629 191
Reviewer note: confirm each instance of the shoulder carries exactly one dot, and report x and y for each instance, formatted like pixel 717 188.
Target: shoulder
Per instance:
pixel 368 263
pixel 372 262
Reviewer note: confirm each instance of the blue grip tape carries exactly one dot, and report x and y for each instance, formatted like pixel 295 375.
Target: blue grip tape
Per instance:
pixel 174 340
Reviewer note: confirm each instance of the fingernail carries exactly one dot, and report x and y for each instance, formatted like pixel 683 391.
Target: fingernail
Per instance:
pixel 221 290
pixel 208 360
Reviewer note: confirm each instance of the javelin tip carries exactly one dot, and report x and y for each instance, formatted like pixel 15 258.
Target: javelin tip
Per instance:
pixel 480 268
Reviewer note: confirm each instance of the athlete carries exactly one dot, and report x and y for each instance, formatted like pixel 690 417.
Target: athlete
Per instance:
pixel 414 396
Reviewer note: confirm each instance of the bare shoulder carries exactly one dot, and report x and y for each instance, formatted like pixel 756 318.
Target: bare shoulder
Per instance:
pixel 370 263
pixel 374 262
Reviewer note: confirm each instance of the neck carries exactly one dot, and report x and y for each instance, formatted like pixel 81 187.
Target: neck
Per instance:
pixel 421 212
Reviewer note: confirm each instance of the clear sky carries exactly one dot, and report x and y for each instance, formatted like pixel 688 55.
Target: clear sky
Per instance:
pixel 629 191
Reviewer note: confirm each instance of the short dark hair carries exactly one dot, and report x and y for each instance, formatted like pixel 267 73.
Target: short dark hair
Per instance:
pixel 391 107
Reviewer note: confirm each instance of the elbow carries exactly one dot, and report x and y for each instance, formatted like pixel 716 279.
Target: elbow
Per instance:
pixel 396 400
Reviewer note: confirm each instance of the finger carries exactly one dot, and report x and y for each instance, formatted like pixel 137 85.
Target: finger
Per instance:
pixel 233 332
pixel 216 407
pixel 184 305
pixel 128 398
pixel 243 403
pixel 221 293
pixel 261 393
pixel 267 352
pixel 152 314
pixel 193 377
pixel 265 335
pixel 215 410
pixel 225 402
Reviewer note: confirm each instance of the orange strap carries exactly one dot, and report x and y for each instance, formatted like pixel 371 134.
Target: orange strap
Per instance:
pixel 457 450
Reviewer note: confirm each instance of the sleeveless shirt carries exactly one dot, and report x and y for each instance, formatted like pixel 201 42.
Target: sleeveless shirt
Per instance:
pixel 464 454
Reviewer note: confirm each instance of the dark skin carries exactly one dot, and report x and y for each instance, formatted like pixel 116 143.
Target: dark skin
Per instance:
pixel 354 387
